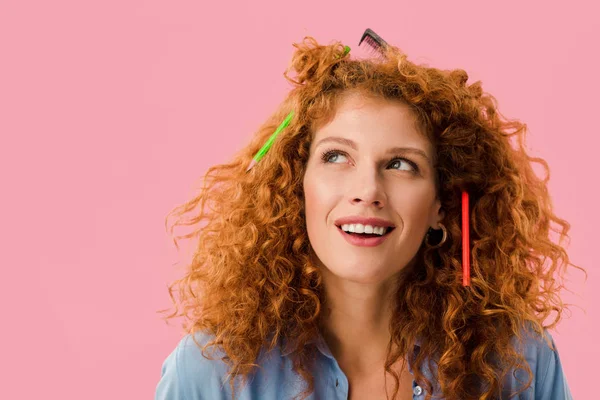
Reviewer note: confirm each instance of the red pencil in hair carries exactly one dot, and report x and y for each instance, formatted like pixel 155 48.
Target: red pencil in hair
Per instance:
pixel 466 246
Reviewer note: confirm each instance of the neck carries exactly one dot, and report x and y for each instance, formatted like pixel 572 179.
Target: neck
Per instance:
pixel 356 322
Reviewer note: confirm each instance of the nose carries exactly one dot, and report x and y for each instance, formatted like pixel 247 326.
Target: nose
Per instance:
pixel 368 190
pixel 376 203
pixel 367 201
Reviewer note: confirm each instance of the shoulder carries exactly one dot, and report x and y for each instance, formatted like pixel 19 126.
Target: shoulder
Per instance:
pixel 541 353
pixel 186 374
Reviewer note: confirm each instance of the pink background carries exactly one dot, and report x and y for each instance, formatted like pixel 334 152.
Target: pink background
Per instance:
pixel 110 112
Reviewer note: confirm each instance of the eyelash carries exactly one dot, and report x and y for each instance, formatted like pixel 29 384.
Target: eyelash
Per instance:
pixel 327 153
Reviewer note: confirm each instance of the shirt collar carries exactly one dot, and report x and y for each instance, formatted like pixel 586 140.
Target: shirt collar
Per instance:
pixel 289 347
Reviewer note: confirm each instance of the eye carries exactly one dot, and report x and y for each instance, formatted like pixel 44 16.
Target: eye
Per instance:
pixel 413 167
pixel 328 154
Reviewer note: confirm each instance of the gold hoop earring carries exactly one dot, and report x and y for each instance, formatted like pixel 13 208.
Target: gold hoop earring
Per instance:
pixel 444 237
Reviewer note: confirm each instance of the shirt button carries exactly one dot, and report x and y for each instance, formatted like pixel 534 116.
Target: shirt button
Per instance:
pixel 417 390
pixel 336 382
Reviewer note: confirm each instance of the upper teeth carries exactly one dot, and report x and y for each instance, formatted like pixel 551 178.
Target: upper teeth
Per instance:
pixel 360 228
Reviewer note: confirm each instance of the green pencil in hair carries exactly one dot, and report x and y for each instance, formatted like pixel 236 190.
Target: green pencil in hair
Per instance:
pixel 263 150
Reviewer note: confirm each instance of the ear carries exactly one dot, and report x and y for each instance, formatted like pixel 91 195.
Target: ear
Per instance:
pixel 437 215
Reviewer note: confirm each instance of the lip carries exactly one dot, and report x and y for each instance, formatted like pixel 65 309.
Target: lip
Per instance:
pixel 356 219
pixel 362 241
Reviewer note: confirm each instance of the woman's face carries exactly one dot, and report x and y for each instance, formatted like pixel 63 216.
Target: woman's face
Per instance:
pixel 365 176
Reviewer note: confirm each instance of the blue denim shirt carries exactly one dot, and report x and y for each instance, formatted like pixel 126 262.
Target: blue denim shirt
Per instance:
pixel 187 375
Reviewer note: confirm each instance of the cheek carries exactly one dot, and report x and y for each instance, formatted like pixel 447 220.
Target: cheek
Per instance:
pixel 319 200
pixel 311 199
pixel 318 193
pixel 414 203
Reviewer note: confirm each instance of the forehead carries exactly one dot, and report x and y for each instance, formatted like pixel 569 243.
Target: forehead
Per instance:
pixel 373 120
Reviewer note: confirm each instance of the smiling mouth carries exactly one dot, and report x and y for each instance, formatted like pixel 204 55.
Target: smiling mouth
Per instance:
pixel 367 235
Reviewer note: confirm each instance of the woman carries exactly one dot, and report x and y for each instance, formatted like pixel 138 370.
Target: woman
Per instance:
pixel 288 295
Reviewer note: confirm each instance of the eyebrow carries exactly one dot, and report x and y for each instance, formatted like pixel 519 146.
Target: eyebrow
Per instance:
pixel 352 144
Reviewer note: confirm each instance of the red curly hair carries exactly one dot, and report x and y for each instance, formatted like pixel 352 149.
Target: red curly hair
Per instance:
pixel 252 282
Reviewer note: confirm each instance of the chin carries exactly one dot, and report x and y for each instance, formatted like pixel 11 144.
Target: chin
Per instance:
pixel 359 274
